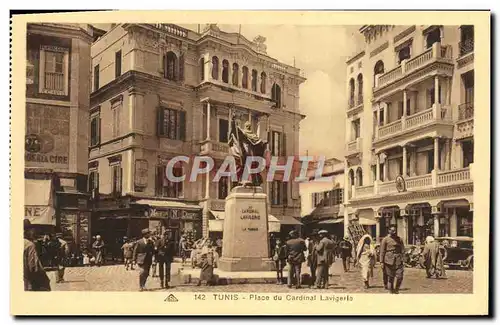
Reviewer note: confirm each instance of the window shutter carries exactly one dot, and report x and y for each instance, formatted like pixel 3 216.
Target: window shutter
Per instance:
pixel 182 125
pixel 98 129
pixel 160 125
pixel 285 193
pixel 181 67
pixel 283 145
pixel 120 173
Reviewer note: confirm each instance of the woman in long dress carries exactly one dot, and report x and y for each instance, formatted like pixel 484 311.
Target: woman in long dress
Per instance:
pixel 433 258
pixel 209 260
pixel 98 246
pixel 365 255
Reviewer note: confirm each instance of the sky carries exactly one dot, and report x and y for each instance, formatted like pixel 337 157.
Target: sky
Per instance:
pixel 321 52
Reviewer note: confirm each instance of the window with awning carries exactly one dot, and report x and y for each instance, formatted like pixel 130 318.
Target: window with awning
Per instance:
pixel 38 202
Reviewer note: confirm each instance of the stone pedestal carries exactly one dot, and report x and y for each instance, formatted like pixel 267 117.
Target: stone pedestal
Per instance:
pixel 245 242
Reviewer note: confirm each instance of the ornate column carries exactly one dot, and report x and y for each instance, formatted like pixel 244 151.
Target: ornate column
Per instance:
pixel 377 169
pixel 436 153
pixel 404 161
pixel 403 118
pixel 378 120
pixel 404 223
pixel 436 213
pixel 208 120
pixel 377 226
pixel 436 98
pixel 386 113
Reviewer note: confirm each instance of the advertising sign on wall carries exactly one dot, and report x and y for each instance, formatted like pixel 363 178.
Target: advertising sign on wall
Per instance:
pixel 47 136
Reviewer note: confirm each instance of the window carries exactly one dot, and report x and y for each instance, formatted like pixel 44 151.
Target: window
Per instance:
pixel 351 93
pixel 202 69
pixel 466 44
pixel 54 70
pixel 236 71
pixel 225 71
pixel 166 187
pixel 277 193
pixel 377 71
pixel 171 66
pixel 263 82
pixel 172 123
pixel 468 82
pixel 254 80
pixel 432 97
pixel 276 95
pixel 400 166
pixel 93 180
pixel 356 128
pixel 432 37
pixel 244 79
pixel 116 179
pixel 284 199
pixel 408 107
pixel 118 64
pixel 223 130
pixel 468 153
pixel 95 130
pixel 465 223
pixel 360 89
pixel 404 54
pixel 223 188
pixel 381 116
pixel 382 178
pixel 276 143
pixel 400 110
pixel 215 68
pixel 116 107
pixel 430 161
pixel 359 177
pixel 96 77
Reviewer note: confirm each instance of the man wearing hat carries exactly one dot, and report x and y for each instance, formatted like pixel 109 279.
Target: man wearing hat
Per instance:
pixel 165 250
pixel 391 258
pixel 346 253
pixel 34 276
pixel 61 257
pixel 323 261
pixel 312 257
pixel 143 257
pixel 295 257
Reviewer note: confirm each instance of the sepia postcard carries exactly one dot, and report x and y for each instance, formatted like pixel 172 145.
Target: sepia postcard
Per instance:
pixel 250 163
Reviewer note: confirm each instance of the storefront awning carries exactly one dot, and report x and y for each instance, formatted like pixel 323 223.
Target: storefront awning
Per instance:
pixel 38 206
pixel 168 204
pixel 217 224
pixel 367 222
pixel 330 221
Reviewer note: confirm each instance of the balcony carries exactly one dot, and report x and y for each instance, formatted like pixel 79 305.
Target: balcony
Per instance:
pixel 214 148
pixel 355 106
pixel 435 115
pixel 354 146
pixel 466 47
pixel 438 59
pixel 465 125
pixel 421 182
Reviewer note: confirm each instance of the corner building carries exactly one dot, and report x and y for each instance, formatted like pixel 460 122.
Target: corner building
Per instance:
pixel 410 131
pixel 160 91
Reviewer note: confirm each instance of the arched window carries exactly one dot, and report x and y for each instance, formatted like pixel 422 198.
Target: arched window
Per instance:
pixel 244 79
pixel 377 71
pixel 225 71
pixel 236 71
pixel 215 68
pixel 202 69
pixel 263 82
pixel 254 80
pixel 433 37
pixel 276 95
pixel 351 92
pixel 171 66
pixel 360 88
pixel 359 177
pixel 351 182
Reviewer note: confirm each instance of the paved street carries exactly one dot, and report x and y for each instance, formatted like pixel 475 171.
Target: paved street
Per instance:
pixel 116 278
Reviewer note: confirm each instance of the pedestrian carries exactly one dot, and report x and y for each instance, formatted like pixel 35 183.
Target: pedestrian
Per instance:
pixel 279 258
pixel 98 246
pixel 207 264
pixel 312 257
pixel 346 253
pixel 86 258
pixel 331 248
pixel 391 257
pixel 433 259
pixel 165 250
pixel 34 276
pixel 61 257
pixel 307 252
pixel 143 257
pixel 128 252
pixel 183 248
pixel 365 255
pixel 323 259
pixel 295 248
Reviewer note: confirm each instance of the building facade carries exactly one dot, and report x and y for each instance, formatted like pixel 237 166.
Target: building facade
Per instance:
pixel 56 144
pixel 161 91
pixel 409 130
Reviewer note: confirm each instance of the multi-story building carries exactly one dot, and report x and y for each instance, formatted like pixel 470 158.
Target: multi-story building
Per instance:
pixel 160 91
pixel 56 145
pixel 409 122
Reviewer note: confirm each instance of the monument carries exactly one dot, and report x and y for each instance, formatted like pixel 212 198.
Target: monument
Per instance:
pixel 245 244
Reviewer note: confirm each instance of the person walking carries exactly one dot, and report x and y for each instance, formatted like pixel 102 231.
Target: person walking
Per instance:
pixel 61 257
pixel 365 255
pixel 295 247
pixel 312 257
pixel 165 250
pixel 183 248
pixel 34 276
pixel 98 246
pixel 391 257
pixel 143 257
pixel 209 260
pixel 279 258
pixel 433 259
pixel 346 253
pixel 128 252
pixel 324 256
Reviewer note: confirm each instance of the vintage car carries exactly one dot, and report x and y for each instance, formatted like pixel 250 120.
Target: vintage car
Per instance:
pixel 457 251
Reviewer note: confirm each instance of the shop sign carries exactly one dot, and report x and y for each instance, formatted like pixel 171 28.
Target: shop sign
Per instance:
pixel 42 215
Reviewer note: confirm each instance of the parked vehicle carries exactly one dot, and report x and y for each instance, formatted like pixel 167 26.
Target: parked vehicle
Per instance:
pixel 457 251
